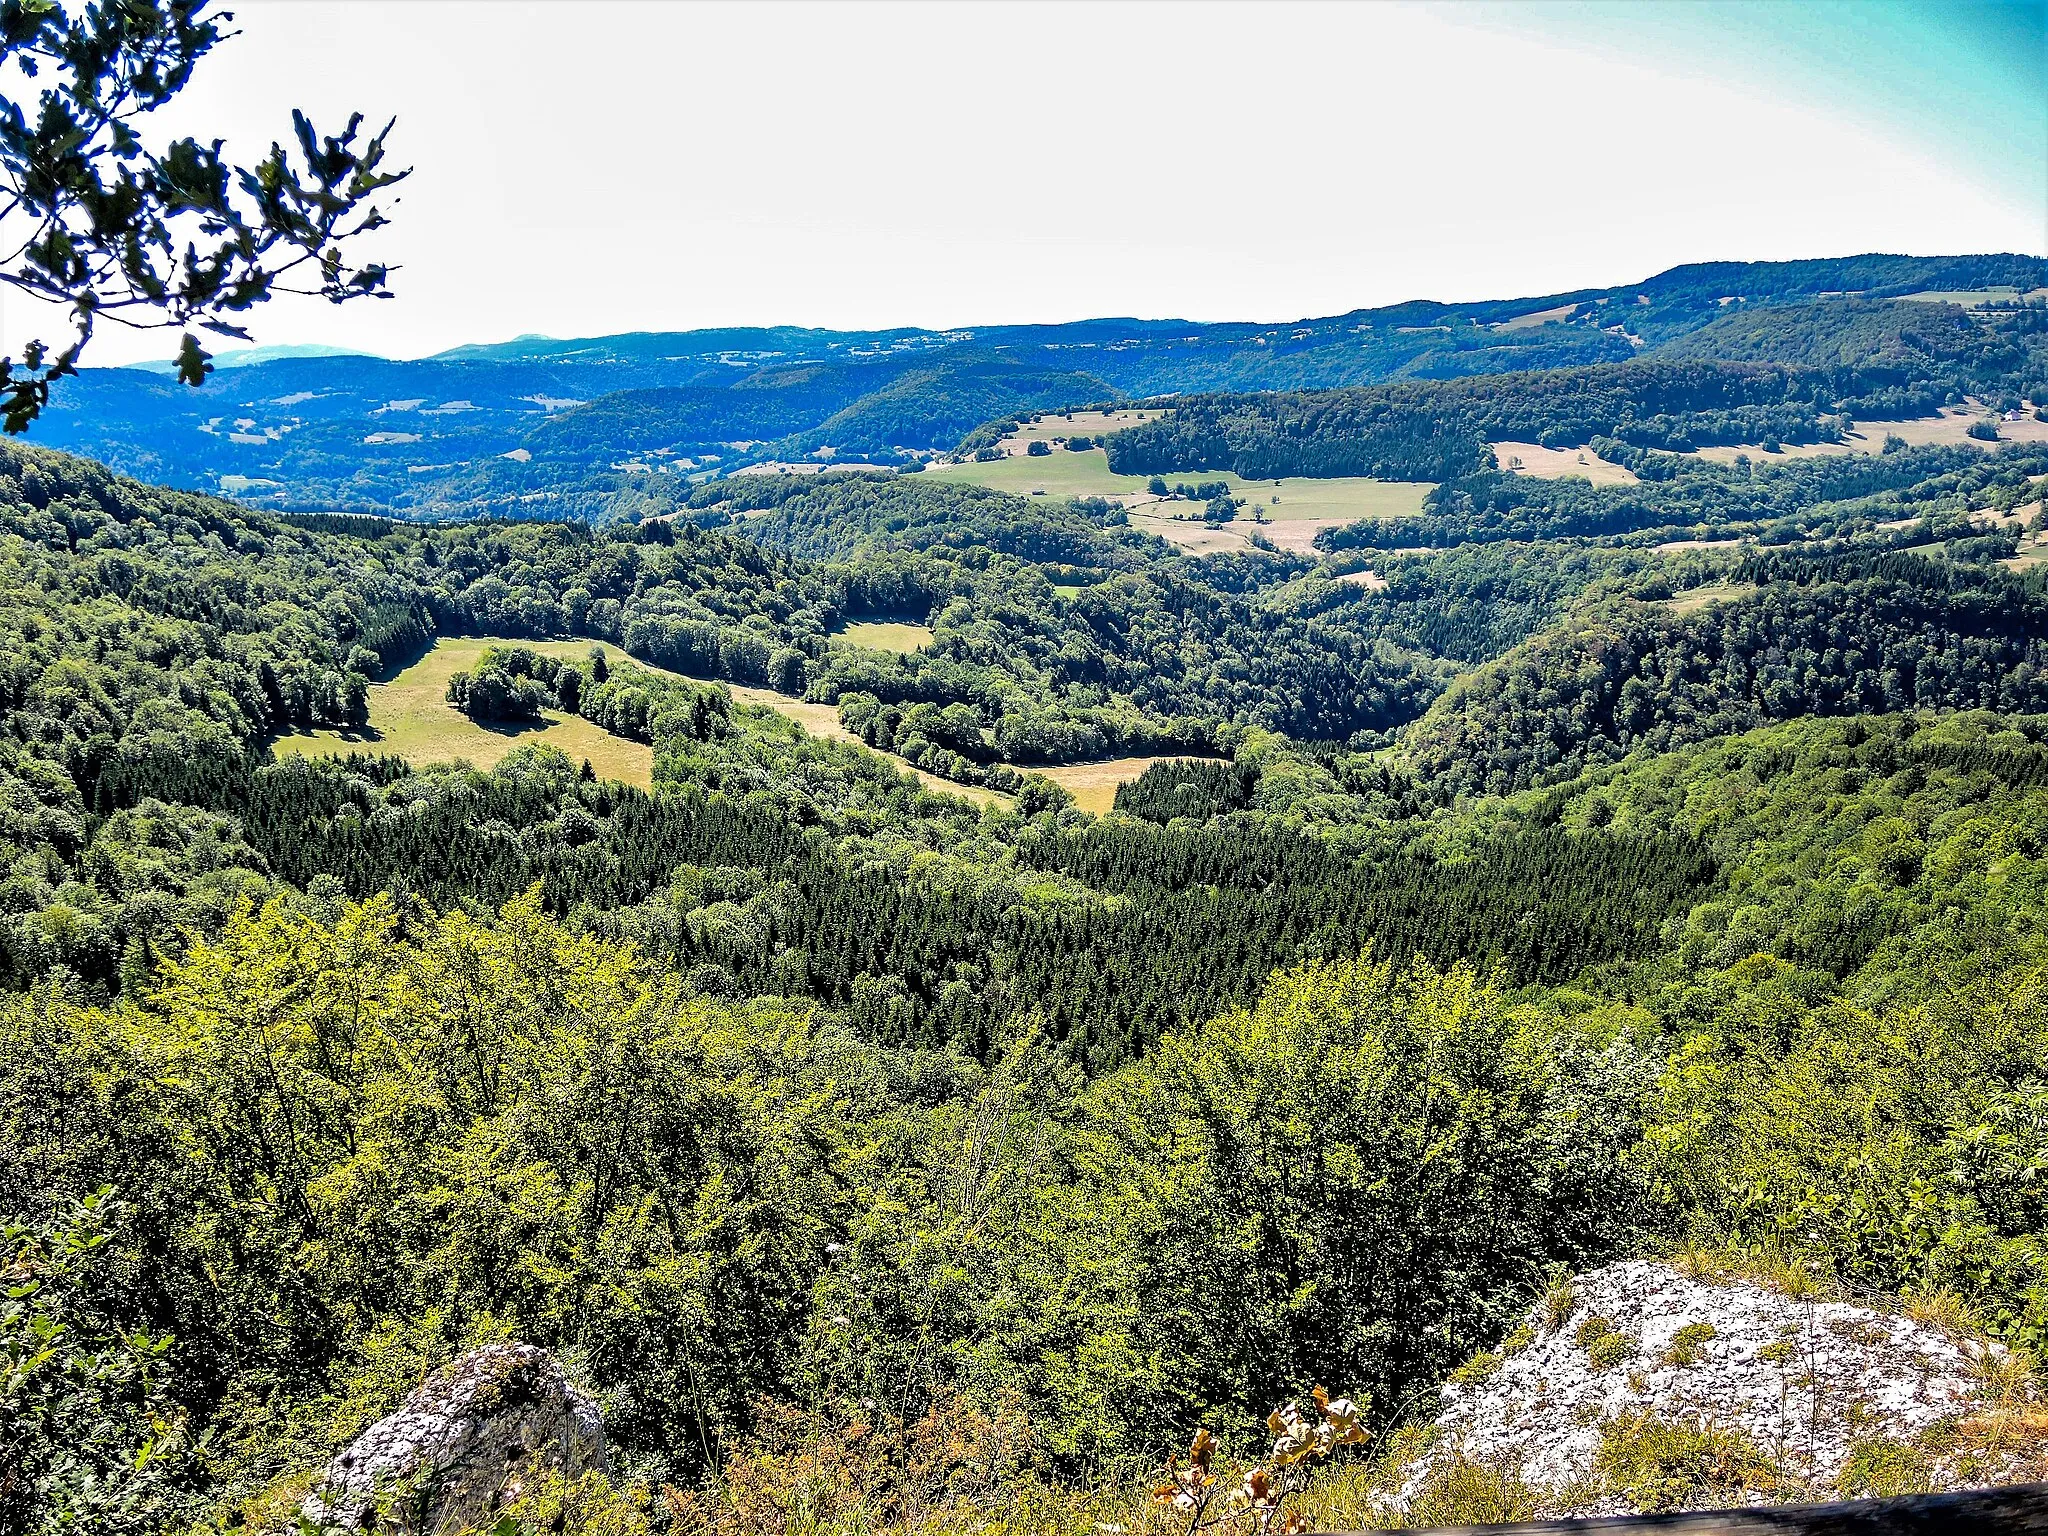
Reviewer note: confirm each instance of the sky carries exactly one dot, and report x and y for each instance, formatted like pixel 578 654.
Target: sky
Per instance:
pixel 601 167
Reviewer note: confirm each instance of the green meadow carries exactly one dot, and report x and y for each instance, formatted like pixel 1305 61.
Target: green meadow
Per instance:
pixel 1061 473
pixel 410 717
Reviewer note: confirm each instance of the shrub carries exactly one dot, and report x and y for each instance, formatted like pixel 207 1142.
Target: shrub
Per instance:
pixel 87 1432
pixel 1482 1365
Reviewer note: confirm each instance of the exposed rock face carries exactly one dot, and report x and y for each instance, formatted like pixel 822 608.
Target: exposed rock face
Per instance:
pixel 1803 1381
pixel 461 1446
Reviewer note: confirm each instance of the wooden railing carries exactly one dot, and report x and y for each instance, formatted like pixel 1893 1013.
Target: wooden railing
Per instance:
pixel 2019 1510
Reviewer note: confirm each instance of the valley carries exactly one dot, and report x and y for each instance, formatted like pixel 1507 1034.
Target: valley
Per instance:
pixel 1404 914
pixel 867 884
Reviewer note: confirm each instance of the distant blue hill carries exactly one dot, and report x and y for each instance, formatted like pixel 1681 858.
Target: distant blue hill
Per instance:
pixel 578 426
pixel 246 357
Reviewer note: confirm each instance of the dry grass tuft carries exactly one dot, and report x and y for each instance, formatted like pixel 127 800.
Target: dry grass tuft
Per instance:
pixel 1558 1303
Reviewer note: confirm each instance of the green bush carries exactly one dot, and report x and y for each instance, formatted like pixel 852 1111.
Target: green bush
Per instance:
pixel 89 1439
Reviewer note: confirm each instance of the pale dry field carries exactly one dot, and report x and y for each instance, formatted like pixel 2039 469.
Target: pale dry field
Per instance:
pixel 410 717
pixel 1697 598
pixel 1094 785
pixel 2030 554
pixel 1199 538
pixel 1297 534
pixel 899 638
pixel 1372 581
pixel 1542 463
pixel 1195 538
pixel 1347 499
pixel 1534 318
pixel 823 720
pixel 1081 424
pixel 1951 427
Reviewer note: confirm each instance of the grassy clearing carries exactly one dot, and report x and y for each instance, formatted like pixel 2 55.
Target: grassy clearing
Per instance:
pixel 823 720
pixel 1348 499
pixel 1197 537
pixel 1687 546
pixel 1371 580
pixel 1951 427
pixel 1051 428
pixel 1696 598
pixel 1541 463
pixel 1970 298
pixel 411 717
pixel 1351 499
pixel 1537 317
pixel 900 638
pixel 1093 785
pixel 1058 473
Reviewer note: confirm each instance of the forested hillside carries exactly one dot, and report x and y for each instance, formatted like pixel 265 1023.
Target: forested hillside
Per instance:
pixel 1441 431
pixel 620 427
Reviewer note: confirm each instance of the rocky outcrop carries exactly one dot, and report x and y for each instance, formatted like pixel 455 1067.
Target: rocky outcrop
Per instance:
pixel 461 1446
pixel 1781 1394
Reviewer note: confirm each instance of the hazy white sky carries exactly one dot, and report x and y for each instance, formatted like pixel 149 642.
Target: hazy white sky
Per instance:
pixel 603 167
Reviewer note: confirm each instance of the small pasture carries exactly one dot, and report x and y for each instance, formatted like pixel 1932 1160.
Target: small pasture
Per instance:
pixel 1537 317
pixel 878 636
pixel 1973 298
pixel 1296 534
pixel 823 720
pixel 1093 785
pixel 410 717
pixel 1059 473
pixel 1051 427
pixel 1950 427
pixel 1540 463
pixel 1346 499
pixel 2033 551
pixel 1694 599
pixel 1371 580
pixel 1688 546
pixel 1194 536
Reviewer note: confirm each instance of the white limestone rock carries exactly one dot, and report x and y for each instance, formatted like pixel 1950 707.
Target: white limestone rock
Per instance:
pixel 1801 1380
pixel 461 1445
